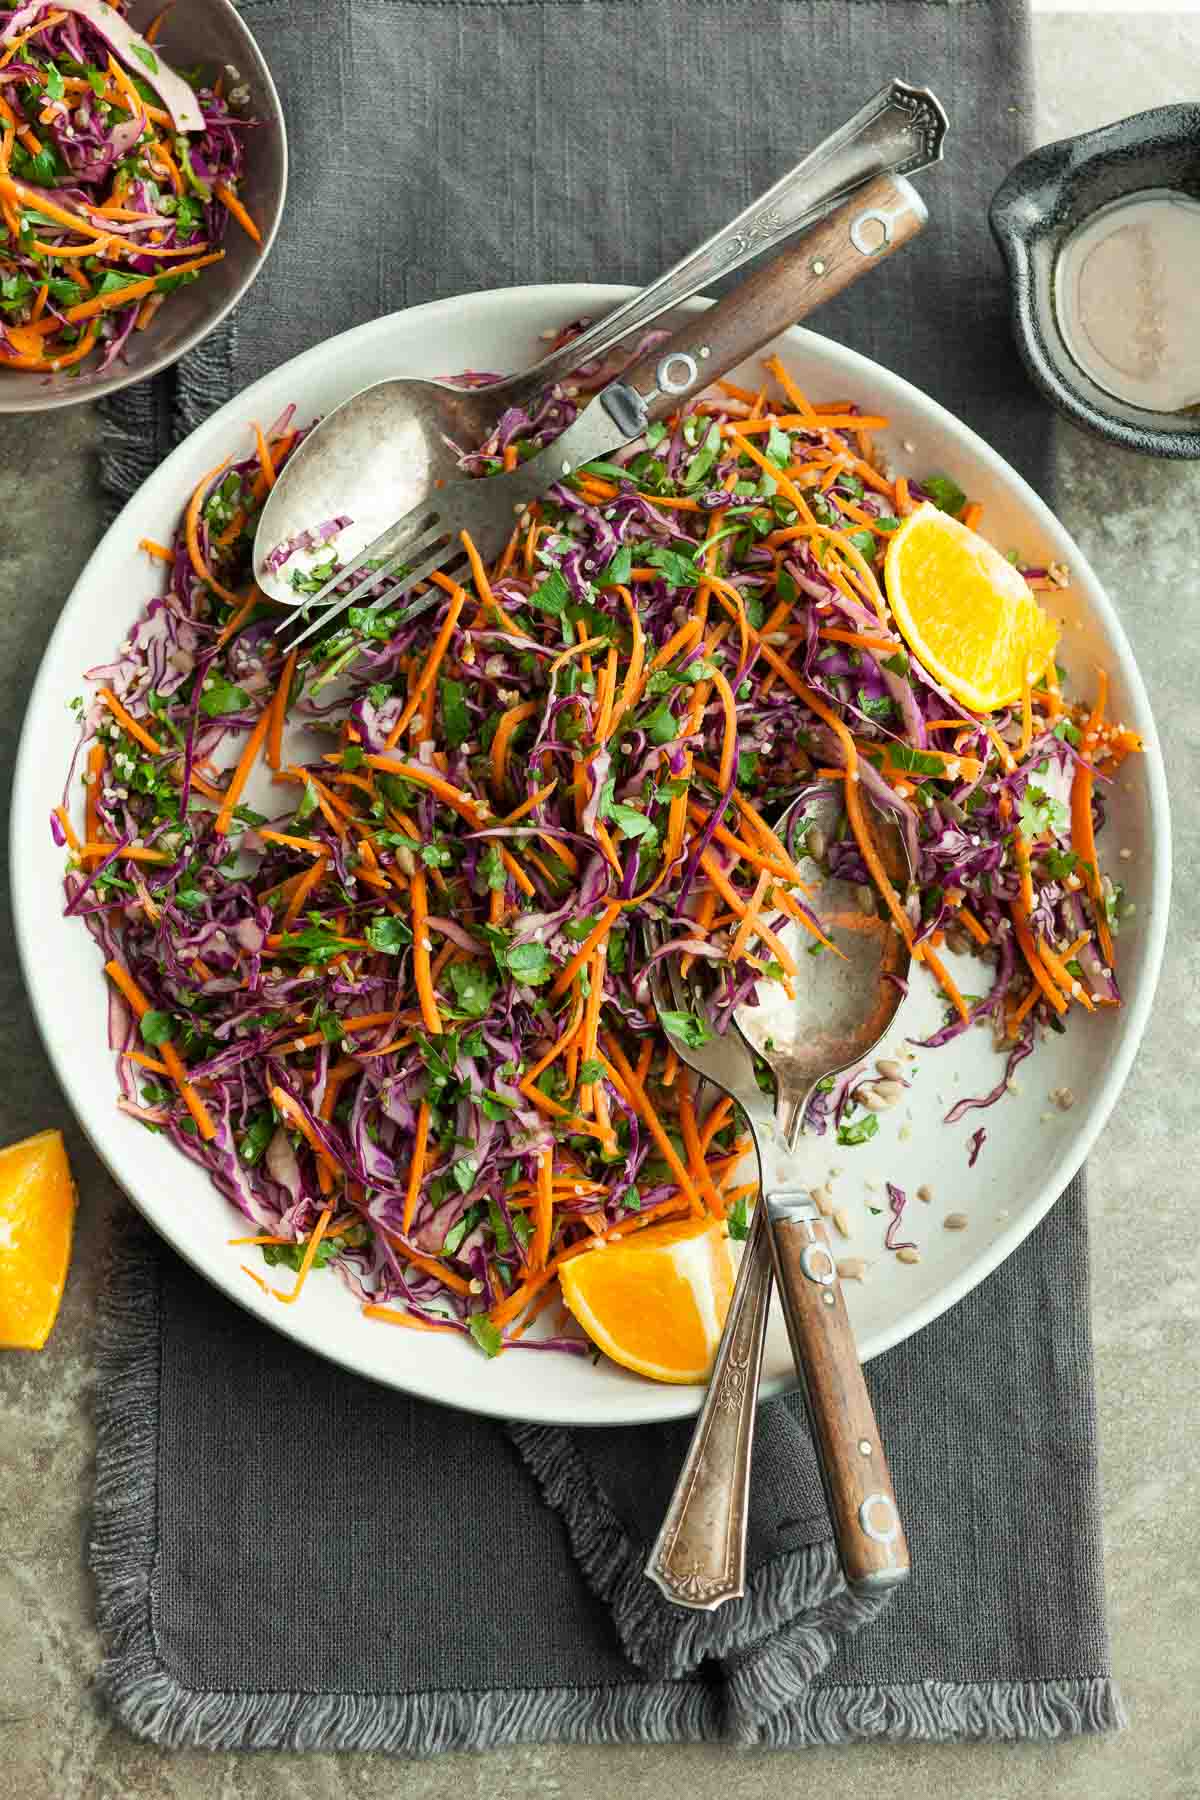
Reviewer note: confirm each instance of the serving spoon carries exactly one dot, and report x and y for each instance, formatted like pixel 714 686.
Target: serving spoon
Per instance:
pixel 844 1005
pixel 386 449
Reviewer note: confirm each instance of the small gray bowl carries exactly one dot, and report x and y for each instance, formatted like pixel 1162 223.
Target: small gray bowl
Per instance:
pixel 208 33
pixel 1036 209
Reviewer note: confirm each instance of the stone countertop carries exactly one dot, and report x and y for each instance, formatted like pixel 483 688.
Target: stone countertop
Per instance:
pixel 1139 523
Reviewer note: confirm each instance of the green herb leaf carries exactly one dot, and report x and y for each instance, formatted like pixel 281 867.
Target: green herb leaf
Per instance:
pixel 1060 863
pixel 898 664
pixel 619 569
pixel 738 1220
pixel 633 823
pixel 156 1027
pixel 473 987
pixel 486 1335
pixel 219 697
pixel 308 804
pixel 689 1027
pixel 552 595
pixel 455 716
pixel 1039 812
pixel 677 570
pixel 860 1132
pixel 590 1071
pixel 389 934
pixel 464 1171
pixel 528 963
pixel 946 494
pixel 492 869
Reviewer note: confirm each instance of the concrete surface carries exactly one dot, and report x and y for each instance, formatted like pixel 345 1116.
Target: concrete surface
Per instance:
pixel 1140 524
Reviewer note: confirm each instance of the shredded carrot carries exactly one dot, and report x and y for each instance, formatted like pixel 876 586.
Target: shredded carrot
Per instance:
pixel 241 774
pixel 278 712
pixel 140 1006
pixel 967 918
pixel 285 1104
pixel 233 205
pixel 309 881
pixel 128 723
pixel 390 1316
pixel 1057 967
pixel 430 1265
pixel 1018 1013
pixel 313 1245
pixel 590 944
pixel 695 1150
pixel 159 551
pixel 971 515
pixel 192 535
pixel 430 669
pixel 416 1171
pixel 729 743
pixel 421 970
pixel 628 1085
pixel 539 1249
pixel 1024 937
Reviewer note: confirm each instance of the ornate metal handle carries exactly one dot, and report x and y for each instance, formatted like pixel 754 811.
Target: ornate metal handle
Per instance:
pixel 699 1556
pixel 900 130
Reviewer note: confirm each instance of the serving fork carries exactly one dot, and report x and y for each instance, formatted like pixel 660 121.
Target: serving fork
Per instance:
pixel 844 1006
pixel 877 220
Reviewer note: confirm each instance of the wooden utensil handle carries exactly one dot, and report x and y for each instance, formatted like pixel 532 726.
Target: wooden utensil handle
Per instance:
pixel 877 220
pixel 862 1504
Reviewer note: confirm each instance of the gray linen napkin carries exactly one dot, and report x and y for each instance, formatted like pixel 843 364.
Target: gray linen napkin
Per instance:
pixel 285 1555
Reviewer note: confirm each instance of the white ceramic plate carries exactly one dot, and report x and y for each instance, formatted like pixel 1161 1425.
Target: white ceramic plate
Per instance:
pixel 1032 1147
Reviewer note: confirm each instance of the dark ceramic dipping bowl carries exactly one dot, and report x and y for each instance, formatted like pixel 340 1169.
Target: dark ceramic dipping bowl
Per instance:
pixel 1045 199
pixel 210 34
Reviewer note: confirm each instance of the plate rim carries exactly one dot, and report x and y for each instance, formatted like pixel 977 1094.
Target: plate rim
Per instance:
pixel 669 1402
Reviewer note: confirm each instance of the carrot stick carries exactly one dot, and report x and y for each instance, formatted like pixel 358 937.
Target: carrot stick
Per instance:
pixel 429 671
pixel 390 1316
pixel 539 1249
pixel 140 1006
pixel 127 722
pixel 314 1244
pixel 509 721
pixel 241 774
pixel 283 1102
pixel 429 1264
pixel 595 937
pixel 695 1150
pixel 232 204
pixel 1024 938
pixel 421 970
pixel 278 712
pixel 627 1084
pixel 729 742
pixel 311 879
pixel 858 822
pixel 416 1173
pixel 192 535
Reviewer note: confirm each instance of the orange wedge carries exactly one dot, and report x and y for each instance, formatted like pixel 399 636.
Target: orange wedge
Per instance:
pixel 37 1218
pixel 965 612
pixel 657 1302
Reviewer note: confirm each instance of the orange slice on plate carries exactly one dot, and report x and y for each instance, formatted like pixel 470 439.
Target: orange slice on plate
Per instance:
pixel 965 612
pixel 657 1302
pixel 37 1219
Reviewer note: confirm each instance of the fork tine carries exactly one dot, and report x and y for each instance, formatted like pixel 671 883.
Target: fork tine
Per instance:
pixel 379 572
pixel 382 549
pixel 449 552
